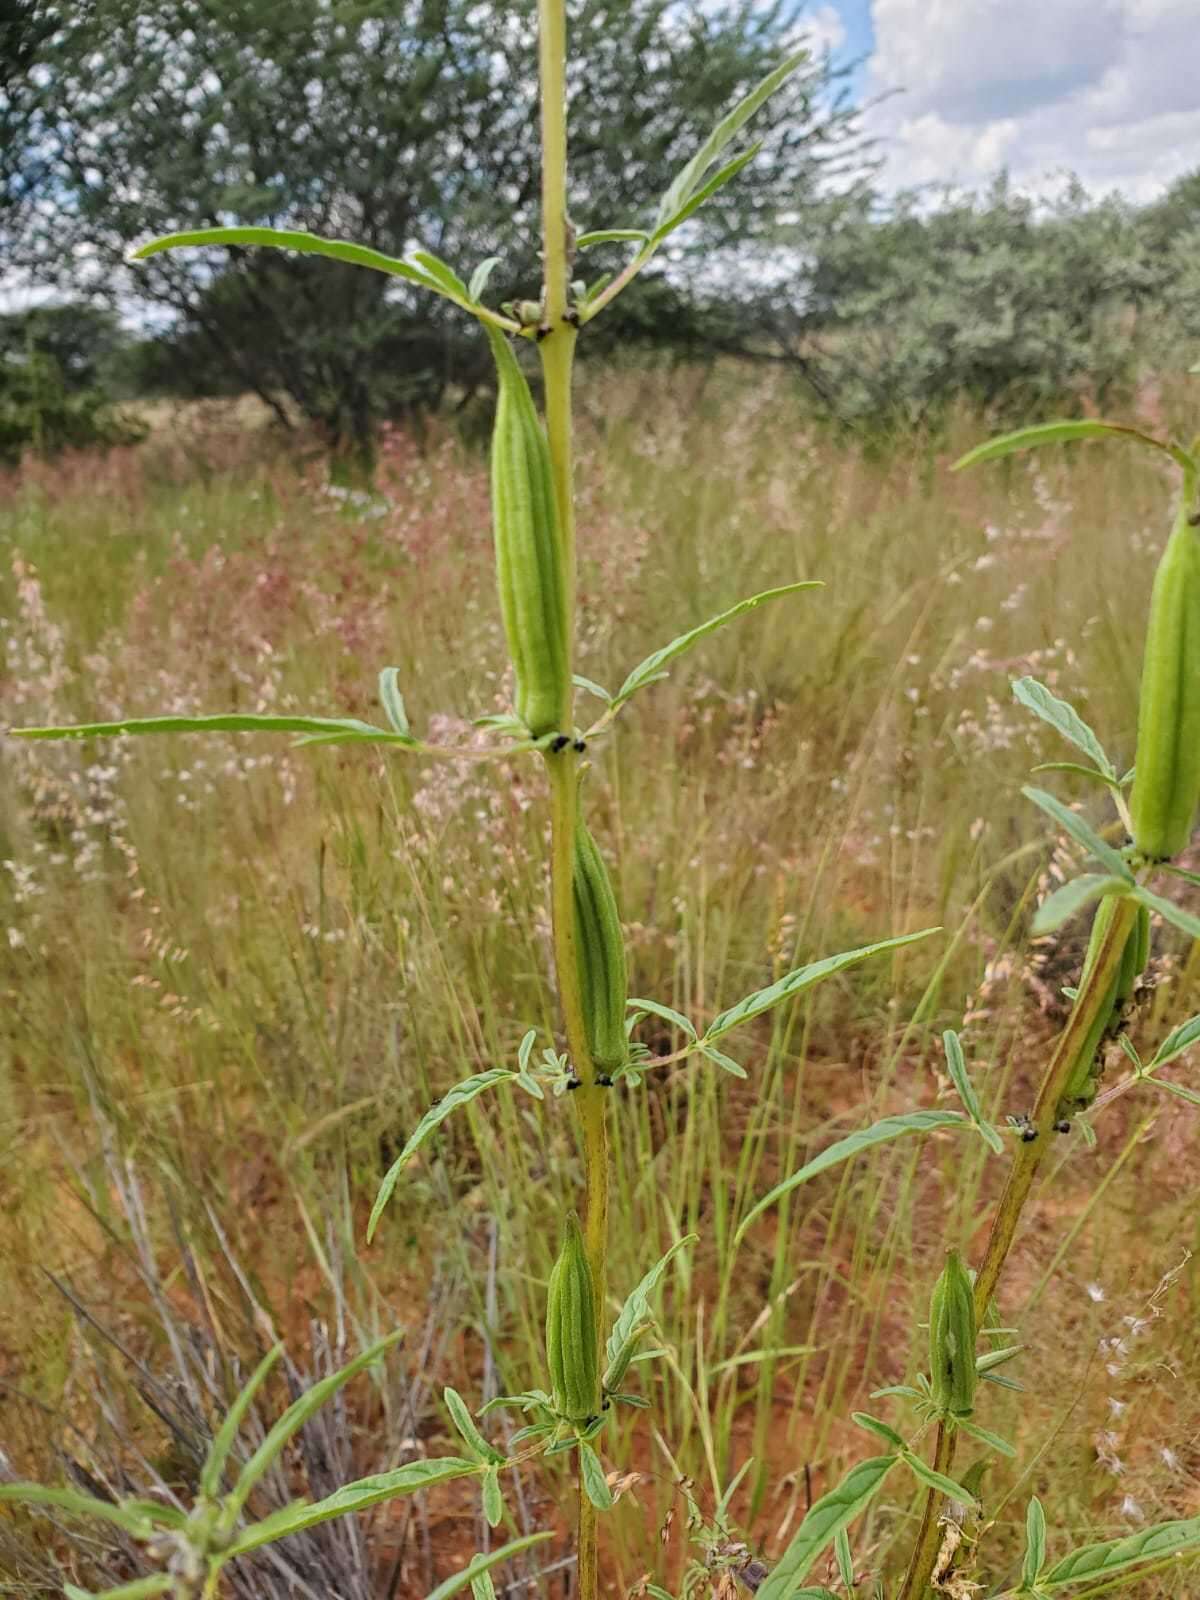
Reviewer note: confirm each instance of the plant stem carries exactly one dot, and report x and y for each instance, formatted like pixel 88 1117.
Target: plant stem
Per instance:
pixel 557 349
pixel 1030 1154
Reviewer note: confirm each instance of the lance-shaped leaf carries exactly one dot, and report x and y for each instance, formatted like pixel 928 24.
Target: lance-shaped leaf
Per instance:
pixel 493 1497
pixel 1177 1041
pixel 611 236
pixel 878 1133
pixel 1072 823
pixel 1099 1561
pixel 594 1481
pixel 1035 1544
pixel 937 1481
pixel 465 1423
pixel 356 1496
pixel 651 669
pixel 704 193
pixel 1064 719
pixel 691 176
pixel 956 1065
pixel 634 1315
pixel 218 1451
pixel 311 244
pixel 139 1518
pixel 826 1518
pixel 139 1589
pixel 1061 433
pixel 297 1414
pixel 459 1095
pixel 326 730
pixel 483 1563
pixel 796 982
pixel 1169 911
pixel 392 701
pixel 481 276
pixel 1066 902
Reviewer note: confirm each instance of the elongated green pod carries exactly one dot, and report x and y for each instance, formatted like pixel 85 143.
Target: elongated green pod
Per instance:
pixel 600 955
pixel 1166 785
pixel 1084 1081
pixel 571 1339
pixel 952 1337
pixel 529 556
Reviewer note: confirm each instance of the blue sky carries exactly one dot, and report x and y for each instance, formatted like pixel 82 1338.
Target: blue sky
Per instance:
pixel 1106 89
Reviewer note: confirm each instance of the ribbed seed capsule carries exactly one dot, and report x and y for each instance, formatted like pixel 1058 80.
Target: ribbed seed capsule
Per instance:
pixel 571 1352
pixel 1085 1076
pixel 529 565
pixel 1166 785
pixel 600 955
pixel 952 1336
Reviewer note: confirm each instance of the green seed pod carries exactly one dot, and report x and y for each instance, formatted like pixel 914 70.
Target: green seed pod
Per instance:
pixel 571 1353
pixel 1084 1081
pixel 529 565
pixel 1166 785
pixel 600 954
pixel 952 1336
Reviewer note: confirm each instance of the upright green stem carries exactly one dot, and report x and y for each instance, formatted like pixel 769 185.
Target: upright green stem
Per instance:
pixel 1030 1154
pixel 557 347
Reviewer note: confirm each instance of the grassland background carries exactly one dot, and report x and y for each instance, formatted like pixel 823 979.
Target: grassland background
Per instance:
pixel 234 974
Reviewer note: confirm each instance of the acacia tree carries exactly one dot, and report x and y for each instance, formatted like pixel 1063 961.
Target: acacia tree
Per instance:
pixel 400 124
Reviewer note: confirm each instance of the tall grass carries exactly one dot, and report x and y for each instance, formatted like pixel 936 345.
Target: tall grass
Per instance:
pixel 257 1020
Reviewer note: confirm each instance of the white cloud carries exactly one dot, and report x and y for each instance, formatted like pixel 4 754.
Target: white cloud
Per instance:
pixel 1104 88
pixel 824 29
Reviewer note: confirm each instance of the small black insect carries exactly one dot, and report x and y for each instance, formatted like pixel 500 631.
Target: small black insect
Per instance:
pixel 1063 1125
pixel 1024 1127
pixel 559 742
pixel 604 1081
pixel 543 329
pixel 580 746
pixel 571 318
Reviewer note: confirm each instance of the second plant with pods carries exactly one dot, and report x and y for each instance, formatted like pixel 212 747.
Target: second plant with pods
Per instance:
pixel 593 1336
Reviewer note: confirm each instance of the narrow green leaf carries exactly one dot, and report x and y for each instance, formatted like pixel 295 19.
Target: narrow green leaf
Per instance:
pixel 1169 911
pixel 484 1563
pixel 826 1517
pixel 706 192
pixel 985 1436
pixel 726 1063
pixel 845 1560
pixel 1064 719
pixel 880 1429
pixel 356 1496
pixel 657 1009
pixel 878 1133
pixel 652 666
pixel 686 182
pixel 1053 433
pixel 635 1312
pixel 333 730
pixel 1177 1090
pixel 1180 872
pixel 298 1413
pixel 1116 1555
pixel 592 687
pixel 135 1522
pixel 218 1451
pixel 493 1498
pixel 465 1423
pixel 611 236
pixel 1035 1544
pixel 482 1587
pixel 997 1358
pixel 1072 897
pixel 312 244
pixel 1070 822
pixel 1090 773
pixel 1177 1041
pixel 443 274
pixel 392 701
pixel 594 1481
pixel 937 1481
pixel 459 1095
pixel 139 1589
pixel 956 1064
pixel 481 277
pixel 794 983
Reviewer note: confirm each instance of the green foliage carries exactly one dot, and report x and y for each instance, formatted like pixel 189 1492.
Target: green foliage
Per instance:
pixel 56 363
pixel 1018 307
